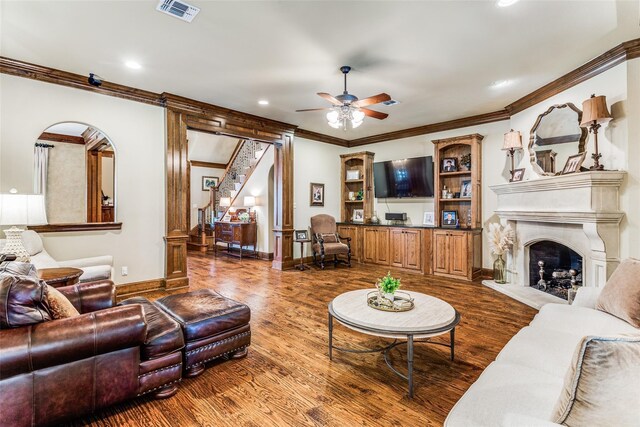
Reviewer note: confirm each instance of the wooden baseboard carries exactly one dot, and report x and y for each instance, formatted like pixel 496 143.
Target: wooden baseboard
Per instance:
pixel 486 274
pixel 127 290
pixel 265 255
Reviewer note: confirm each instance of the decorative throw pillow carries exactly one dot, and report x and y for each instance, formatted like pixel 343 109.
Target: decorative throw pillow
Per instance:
pixel 621 295
pixel 23 301
pixel 59 305
pixel 16 268
pixel 601 385
pixel 328 237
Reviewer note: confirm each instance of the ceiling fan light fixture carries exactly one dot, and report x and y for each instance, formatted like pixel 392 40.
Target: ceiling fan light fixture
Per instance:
pixel 357 116
pixel 335 125
pixel 333 116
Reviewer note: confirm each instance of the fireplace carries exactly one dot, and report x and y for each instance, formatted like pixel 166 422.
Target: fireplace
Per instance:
pixel 554 268
pixel 580 212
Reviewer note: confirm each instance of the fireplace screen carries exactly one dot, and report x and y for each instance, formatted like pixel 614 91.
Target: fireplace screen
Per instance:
pixel 554 268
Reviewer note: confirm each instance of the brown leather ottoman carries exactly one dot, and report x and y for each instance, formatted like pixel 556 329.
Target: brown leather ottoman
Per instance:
pixel 213 327
pixel 160 355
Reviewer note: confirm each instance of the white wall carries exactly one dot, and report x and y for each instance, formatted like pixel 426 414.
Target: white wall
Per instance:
pixel 200 198
pixel 66 195
pixel 28 107
pixel 320 163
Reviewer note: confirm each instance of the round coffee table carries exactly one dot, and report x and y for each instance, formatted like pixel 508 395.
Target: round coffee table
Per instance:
pixel 60 276
pixel 429 318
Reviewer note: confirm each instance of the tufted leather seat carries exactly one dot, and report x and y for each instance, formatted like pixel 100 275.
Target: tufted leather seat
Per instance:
pixel 213 326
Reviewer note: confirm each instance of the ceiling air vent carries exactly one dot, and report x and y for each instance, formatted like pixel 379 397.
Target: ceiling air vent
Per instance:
pixel 178 9
pixel 391 102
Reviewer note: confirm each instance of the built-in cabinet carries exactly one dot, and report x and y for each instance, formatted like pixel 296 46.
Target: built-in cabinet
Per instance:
pixel 438 251
pixel 357 181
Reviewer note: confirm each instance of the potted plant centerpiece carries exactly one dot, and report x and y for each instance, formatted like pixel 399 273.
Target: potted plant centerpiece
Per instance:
pixel 387 286
pixel 500 241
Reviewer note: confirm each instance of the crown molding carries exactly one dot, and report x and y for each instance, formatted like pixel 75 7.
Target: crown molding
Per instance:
pixel 615 56
pixel 308 134
pixel 619 54
pixel 479 119
pixel 77 81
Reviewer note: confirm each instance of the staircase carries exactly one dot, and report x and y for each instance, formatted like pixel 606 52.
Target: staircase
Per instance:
pixel 239 169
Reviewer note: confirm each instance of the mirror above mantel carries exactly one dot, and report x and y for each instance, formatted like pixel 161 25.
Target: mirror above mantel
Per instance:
pixel 555 136
pixel 74 167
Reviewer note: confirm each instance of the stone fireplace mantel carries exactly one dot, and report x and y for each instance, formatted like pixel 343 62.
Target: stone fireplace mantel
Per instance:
pixel 579 210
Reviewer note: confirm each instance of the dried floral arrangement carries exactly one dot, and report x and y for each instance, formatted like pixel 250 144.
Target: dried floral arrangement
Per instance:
pixel 501 239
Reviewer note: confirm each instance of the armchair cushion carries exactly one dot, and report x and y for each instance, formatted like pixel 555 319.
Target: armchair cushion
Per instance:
pixel 23 301
pixel 328 237
pixel 332 248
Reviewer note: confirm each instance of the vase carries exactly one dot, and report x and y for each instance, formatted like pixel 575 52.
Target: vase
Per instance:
pixel 389 296
pixel 499 270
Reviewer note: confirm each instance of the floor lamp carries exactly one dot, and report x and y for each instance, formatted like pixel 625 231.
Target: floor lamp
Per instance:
pixel 20 209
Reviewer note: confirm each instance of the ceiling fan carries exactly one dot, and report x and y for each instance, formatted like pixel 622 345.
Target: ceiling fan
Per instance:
pixel 347 108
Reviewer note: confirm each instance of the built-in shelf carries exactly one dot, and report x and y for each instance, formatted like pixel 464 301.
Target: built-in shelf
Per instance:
pixel 349 181
pixel 456 200
pixel 354 201
pixel 458 173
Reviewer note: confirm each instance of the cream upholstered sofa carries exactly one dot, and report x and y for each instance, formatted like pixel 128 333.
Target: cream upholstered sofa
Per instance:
pixel 523 385
pixel 94 268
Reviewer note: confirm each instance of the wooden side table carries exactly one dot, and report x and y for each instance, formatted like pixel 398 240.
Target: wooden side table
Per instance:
pixel 59 277
pixel 302 266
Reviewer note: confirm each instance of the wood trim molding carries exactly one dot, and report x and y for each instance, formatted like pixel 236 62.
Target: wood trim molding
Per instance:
pixel 126 290
pixel 198 163
pixel 88 226
pixel 619 54
pixel 315 136
pixel 65 78
pixel 479 119
pixel 58 137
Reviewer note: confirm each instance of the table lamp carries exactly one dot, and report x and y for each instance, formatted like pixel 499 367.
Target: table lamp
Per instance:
pixel 249 202
pixel 225 202
pixel 20 209
pixel 595 112
pixel 512 142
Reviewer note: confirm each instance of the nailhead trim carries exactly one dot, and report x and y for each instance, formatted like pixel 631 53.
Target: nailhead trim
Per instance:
pixel 215 344
pixel 159 370
pixel 159 387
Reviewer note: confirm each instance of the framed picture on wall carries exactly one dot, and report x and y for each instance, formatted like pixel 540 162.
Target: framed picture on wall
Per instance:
pixel 209 182
pixel 317 194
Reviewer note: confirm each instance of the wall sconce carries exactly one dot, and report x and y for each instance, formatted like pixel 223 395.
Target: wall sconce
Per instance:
pixel 512 142
pixel 595 112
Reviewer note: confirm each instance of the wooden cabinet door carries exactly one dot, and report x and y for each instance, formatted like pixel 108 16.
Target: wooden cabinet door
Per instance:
pixel 352 232
pixel 396 247
pixel 369 243
pixel 382 246
pixel 412 249
pixel 458 253
pixel 441 251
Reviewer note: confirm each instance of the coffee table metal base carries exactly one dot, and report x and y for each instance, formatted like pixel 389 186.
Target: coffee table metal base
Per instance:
pixel 410 342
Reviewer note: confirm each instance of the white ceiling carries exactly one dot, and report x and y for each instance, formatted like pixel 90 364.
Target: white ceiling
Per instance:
pixel 68 128
pixel 437 57
pixel 207 147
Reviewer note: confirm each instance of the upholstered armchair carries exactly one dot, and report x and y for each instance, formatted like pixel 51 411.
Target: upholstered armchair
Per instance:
pixel 325 241
pixel 94 268
pixel 56 370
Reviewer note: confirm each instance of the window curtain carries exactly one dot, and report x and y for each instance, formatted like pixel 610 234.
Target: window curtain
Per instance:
pixel 40 165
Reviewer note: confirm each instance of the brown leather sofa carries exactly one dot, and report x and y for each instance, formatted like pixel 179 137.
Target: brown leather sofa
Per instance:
pixel 62 369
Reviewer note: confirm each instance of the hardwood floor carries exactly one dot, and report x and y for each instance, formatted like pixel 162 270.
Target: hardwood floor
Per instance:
pixel 287 378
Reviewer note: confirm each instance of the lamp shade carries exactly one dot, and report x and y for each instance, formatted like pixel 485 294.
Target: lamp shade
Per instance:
pixel 225 201
pixel 512 140
pixel 22 209
pixel 249 201
pixel 595 109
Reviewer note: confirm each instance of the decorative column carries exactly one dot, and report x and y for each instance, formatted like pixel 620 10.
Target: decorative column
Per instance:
pixel 283 203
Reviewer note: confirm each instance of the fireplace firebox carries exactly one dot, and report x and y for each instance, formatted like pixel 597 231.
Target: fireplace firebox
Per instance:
pixel 554 268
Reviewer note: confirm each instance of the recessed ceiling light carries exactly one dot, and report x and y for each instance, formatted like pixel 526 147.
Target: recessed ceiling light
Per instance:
pixel 133 65
pixel 500 84
pixel 263 102
pixel 506 3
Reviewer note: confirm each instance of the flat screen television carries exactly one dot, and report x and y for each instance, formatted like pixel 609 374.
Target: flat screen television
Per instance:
pixel 404 178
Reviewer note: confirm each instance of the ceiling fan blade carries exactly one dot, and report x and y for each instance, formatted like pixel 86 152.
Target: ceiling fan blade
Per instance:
pixel 375 114
pixel 312 109
pixel 381 97
pixel 329 98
